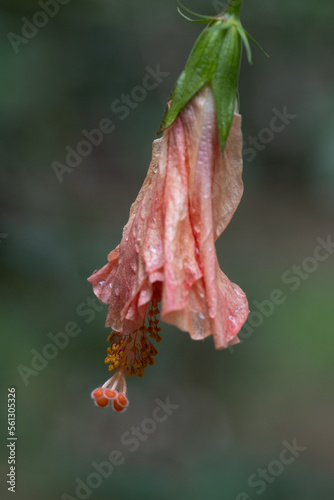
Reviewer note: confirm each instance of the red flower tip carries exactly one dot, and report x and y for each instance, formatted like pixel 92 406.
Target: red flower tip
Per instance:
pixel 97 394
pixel 99 397
pixel 121 403
pixel 102 396
pixel 110 394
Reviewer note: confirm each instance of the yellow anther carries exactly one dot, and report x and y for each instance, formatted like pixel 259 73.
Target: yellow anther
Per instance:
pixel 135 351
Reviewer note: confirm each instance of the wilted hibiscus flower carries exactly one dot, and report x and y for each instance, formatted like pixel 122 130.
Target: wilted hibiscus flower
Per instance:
pixel 166 259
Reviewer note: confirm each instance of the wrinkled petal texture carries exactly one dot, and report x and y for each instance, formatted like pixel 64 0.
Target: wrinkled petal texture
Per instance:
pixel 167 250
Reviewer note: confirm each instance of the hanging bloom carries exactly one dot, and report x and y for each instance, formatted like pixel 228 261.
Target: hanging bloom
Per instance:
pixel 167 256
pixel 167 253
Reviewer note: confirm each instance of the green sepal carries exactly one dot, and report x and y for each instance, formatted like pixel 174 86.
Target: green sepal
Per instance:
pixel 202 18
pixel 199 21
pixel 256 43
pixel 225 83
pixel 199 69
pixel 245 41
pixel 215 61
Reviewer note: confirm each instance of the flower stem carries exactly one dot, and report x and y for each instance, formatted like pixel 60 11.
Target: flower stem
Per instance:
pixel 234 7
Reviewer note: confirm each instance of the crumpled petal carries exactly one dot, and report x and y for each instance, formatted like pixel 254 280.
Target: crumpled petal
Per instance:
pixel 167 252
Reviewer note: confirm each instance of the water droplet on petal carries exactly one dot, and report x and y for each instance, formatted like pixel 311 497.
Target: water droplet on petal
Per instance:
pixel 144 296
pixel 153 250
pixel 233 323
pixel 143 213
pixel 212 312
pixel 197 227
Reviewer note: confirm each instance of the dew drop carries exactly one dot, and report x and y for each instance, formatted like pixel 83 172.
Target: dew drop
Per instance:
pixel 144 295
pixel 143 213
pixel 153 249
pixel 197 227
pixel 238 291
pixel 212 312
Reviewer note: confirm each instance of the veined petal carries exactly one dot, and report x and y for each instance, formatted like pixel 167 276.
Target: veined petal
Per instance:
pixel 124 282
pixel 167 252
pixel 214 304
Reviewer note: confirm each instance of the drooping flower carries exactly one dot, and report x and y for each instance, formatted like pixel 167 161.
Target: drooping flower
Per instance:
pixel 167 252
pixel 193 186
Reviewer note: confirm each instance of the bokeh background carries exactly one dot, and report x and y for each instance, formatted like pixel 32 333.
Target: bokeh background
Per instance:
pixel 235 408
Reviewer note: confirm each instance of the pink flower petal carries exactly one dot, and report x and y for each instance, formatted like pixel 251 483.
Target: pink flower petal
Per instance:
pixel 167 251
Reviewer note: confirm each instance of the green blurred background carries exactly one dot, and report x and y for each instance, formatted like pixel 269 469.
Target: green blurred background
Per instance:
pixel 235 408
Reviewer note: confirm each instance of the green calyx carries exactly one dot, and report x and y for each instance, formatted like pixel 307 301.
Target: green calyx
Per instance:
pixel 215 61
